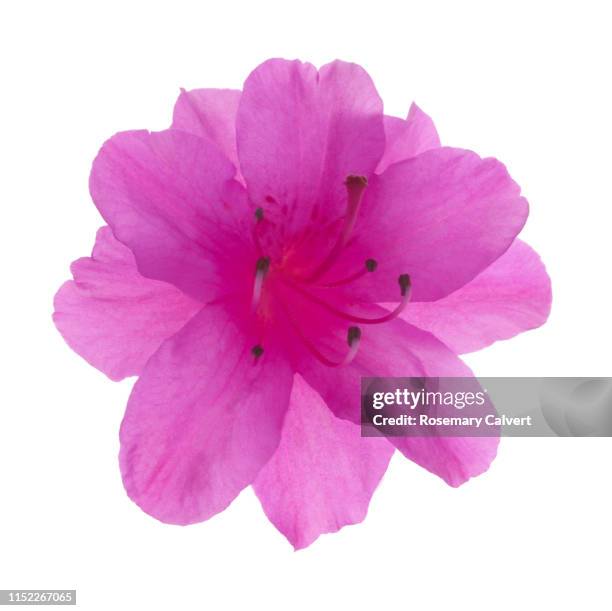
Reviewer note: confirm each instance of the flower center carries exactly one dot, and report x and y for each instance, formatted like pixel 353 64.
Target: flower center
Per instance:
pixel 307 284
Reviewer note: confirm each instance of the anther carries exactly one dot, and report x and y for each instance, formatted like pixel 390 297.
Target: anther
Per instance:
pixel 257 351
pixel 405 283
pixel 371 265
pixel 259 214
pixel 353 335
pixel 263 265
pixel 261 269
pixel 354 339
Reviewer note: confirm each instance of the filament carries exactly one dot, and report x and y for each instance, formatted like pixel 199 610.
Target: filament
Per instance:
pixel 262 267
pixel 370 266
pixel 405 288
pixel 353 340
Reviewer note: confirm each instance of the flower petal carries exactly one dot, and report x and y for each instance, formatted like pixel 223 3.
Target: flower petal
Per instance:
pixel 453 459
pixel 385 350
pixel 392 349
pixel 114 317
pixel 165 196
pixel 443 217
pixel 202 420
pixel 301 133
pixel 511 296
pixel 408 138
pixel 323 474
pixel 209 113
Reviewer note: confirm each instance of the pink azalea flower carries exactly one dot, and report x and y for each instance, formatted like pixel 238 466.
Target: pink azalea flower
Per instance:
pixel 247 252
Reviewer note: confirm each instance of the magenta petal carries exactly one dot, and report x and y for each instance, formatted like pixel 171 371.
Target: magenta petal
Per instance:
pixel 209 113
pixel 394 349
pixel 163 194
pixel 301 133
pixel 385 350
pixel 202 420
pixel 114 317
pixel 323 473
pixel 442 217
pixel 453 459
pixel 408 138
pixel 511 296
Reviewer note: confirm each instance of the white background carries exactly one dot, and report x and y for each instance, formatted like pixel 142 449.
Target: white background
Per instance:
pixel 526 82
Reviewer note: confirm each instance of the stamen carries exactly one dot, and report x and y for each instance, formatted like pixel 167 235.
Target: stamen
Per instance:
pixel 355 187
pixel 370 266
pixel 354 341
pixel 259 215
pixel 405 283
pixel 405 290
pixel 261 269
pixel 257 351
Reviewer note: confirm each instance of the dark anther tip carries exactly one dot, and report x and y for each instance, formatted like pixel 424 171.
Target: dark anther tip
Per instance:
pixel 356 181
pixel 263 264
pixel 354 333
pixel 404 282
pixel 257 351
pixel 259 214
pixel 371 265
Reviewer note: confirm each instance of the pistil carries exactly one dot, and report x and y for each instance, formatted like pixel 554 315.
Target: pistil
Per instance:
pixel 355 187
